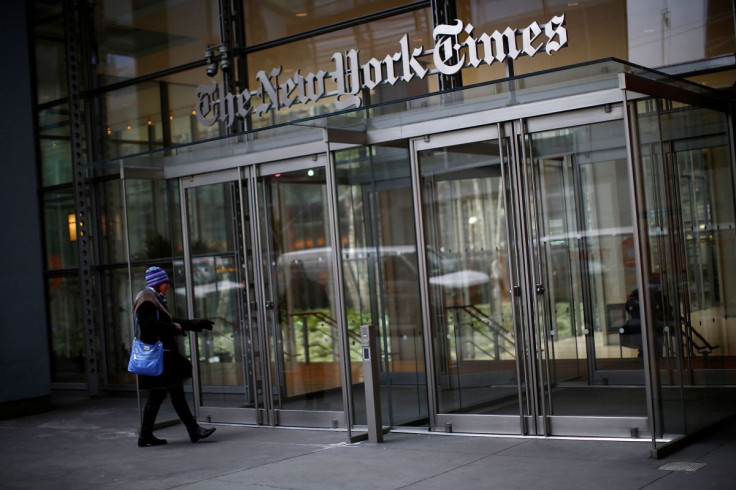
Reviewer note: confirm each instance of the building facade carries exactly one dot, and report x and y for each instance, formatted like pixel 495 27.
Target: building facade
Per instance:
pixel 533 205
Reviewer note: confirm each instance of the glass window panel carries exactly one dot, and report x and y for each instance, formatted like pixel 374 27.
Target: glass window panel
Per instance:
pixel 139 38
pixel 665 32
pixel 375 40
pixel 155 114
pixel 596 29
pixel 67 337
pixel 154 224
pixel 208 208
pixel 653 33
pixel 53 130
pixel 110 226
pixel 60 230
pixel 50 57
pixel 118 325
pixel 133 119
pixel 274 19
pixel 183 123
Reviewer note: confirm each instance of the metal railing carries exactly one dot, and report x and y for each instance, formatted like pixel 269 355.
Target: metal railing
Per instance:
pixel 502 340
pixel 331 323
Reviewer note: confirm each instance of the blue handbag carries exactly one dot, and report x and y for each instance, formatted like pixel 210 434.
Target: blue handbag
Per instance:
pixel 146 359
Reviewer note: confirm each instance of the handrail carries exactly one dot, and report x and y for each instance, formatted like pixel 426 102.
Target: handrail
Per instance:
pixel 688 331
pixel 321 315
pixel 470 342
pixel 476 314
pixel 330 322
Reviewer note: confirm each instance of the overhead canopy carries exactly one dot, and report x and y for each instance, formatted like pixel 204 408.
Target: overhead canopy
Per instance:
pixel 550 91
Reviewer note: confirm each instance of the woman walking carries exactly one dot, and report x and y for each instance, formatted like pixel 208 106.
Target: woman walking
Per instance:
pixel 156 323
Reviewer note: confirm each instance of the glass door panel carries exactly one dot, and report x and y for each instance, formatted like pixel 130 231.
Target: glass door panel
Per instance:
pixel 297 260
pixel 689 239
pixel 585 271
pixel 216 268
pixel 381 279
pixel 467 260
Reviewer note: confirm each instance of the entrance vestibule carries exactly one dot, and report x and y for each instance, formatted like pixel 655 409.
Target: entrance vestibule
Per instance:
pixel 542 256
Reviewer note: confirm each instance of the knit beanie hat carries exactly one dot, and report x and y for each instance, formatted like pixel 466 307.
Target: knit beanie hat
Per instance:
pixel 155 276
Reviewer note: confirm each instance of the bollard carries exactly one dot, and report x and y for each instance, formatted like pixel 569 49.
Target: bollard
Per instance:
pixel 370 376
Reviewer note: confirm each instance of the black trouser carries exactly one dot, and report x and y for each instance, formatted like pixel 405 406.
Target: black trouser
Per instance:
pixel 178 400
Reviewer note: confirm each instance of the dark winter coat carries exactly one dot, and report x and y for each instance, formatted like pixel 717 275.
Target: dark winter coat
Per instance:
pixel 156 323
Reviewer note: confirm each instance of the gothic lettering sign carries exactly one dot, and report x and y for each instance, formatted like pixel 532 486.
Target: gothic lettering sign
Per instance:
pixel 456 46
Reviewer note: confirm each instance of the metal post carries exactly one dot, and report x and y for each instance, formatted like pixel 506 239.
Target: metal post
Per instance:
pixel 370 376
pixel 73 18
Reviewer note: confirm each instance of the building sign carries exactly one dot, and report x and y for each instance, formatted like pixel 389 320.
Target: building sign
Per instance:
pixel 455 47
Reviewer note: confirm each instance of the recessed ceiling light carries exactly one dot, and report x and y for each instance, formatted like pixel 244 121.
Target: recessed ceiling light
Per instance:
pixel 301 14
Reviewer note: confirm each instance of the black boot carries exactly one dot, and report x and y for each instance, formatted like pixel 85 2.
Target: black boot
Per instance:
pixel 178 400
pixel 146 437
pixel 199 433
pixel 150 440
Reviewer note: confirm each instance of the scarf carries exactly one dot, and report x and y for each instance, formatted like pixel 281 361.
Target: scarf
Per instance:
pixel 158 300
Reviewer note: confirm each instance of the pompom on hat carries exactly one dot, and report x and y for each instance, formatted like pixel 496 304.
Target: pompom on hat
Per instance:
pixel 156 276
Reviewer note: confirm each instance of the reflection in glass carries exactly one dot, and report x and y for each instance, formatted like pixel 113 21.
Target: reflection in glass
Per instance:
pixel 67 337
pixel 182 126
pixel 130 116
pixel 467 259
pixel 376 40
pixel 154 228
pixel 142 38
pixel 381 282
pixel 663 33
pixel 296 254
pixel 56 156
pixel 60 230
pixel 155 114
pixel 652 33
pixel 273 19
pixel 118 324
pixel 688 225
pixel 217 286
pixel 110 227
pixel 585 240
pixel 597 29
pixel 50 55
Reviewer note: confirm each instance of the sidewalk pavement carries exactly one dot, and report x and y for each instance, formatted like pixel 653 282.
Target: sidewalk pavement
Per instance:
pixel 91 444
